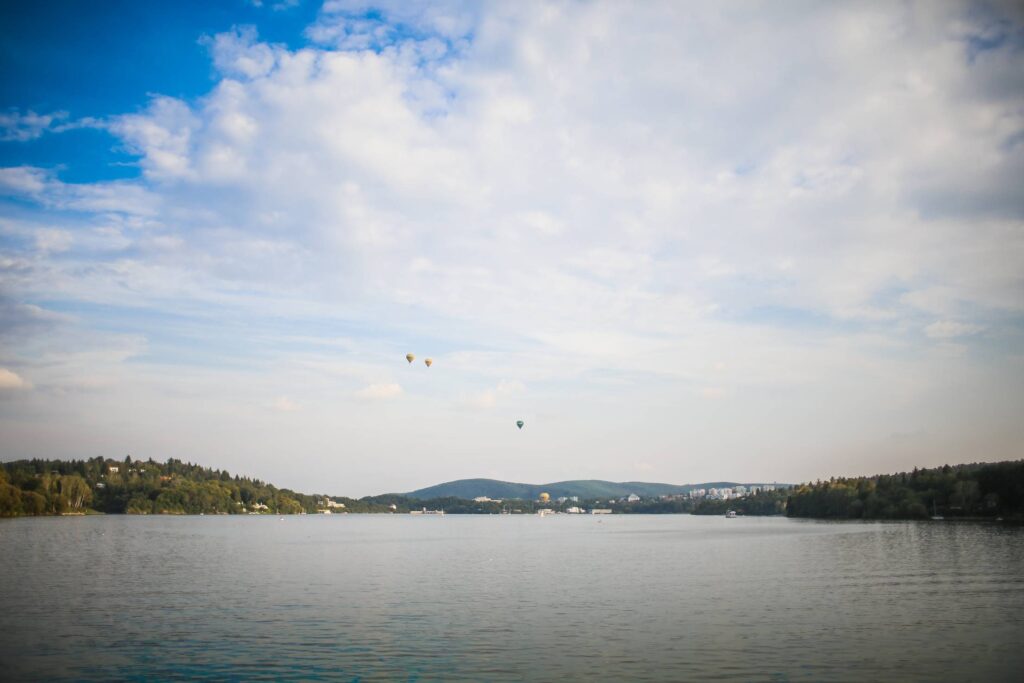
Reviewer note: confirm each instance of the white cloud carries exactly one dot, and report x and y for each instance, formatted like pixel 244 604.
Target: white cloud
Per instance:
pixel 491 398
pixel 285 405
pixel 381 391
pixel 11 380
pixel 948 329
pixel 43 186
pixel 53 240
pixel 632 209
pixel 238 54
pixel 162 135
pixel 18 127
pixel 23 180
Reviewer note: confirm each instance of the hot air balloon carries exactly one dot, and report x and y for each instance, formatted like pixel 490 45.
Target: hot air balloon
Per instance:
pixel 409 357
pixel 519 423
pixel 429 362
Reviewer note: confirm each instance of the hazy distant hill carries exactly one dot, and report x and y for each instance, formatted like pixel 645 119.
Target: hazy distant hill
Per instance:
pixel 584 488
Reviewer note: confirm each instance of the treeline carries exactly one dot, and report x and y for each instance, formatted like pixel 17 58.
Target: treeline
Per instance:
pixel 51 487
pixel 759 504
pixel 454 505
pixel 975 490
pixel 132 486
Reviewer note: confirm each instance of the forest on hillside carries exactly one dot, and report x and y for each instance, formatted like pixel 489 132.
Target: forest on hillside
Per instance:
pixel 51 487
pixel 974 490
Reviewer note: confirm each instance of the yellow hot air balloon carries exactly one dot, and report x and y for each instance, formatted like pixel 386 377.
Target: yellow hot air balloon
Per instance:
pixel 409 357
pixel 429 362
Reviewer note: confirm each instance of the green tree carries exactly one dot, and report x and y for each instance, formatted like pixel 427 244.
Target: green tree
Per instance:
pixel 32 503
pixel 139 505
pixel 76 490
pixel 10 500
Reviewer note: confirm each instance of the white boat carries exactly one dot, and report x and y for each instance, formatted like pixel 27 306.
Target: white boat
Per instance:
pixel 730 514
pixel 425 511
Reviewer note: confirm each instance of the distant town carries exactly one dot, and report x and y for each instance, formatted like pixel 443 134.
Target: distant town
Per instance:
pixel 570 504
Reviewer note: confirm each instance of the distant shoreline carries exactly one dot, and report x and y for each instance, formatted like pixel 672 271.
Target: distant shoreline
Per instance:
pixel 978 491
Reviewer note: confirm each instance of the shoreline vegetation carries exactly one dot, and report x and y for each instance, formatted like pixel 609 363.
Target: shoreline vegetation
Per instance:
pixel 101 485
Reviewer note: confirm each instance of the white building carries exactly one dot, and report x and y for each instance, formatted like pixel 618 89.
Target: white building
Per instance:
pixel 600 511
pixel 632 498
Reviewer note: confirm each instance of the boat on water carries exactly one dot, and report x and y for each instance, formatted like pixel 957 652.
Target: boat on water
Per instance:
pixel 730 514
pixel 935 514
pixel 425 511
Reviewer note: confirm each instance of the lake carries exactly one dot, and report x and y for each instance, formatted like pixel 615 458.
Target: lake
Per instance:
pixel 495 598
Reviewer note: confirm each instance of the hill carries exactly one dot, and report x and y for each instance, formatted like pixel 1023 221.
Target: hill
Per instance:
pixel 54 487
pixel 587 489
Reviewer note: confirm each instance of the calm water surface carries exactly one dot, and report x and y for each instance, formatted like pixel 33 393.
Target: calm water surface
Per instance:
pixel 509 598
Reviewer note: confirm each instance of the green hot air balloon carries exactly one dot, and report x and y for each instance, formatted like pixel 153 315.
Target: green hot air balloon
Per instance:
pixel 519 423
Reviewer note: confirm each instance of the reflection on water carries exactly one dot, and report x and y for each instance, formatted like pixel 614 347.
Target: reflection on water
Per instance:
pixel 509 598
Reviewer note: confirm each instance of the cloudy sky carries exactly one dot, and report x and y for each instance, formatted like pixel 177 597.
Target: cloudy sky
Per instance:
pixel 682 241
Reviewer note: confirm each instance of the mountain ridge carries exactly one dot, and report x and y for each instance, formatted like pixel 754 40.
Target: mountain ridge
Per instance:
pixel 584 488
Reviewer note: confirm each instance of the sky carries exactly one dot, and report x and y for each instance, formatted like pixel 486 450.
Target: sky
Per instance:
pixel 682 241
